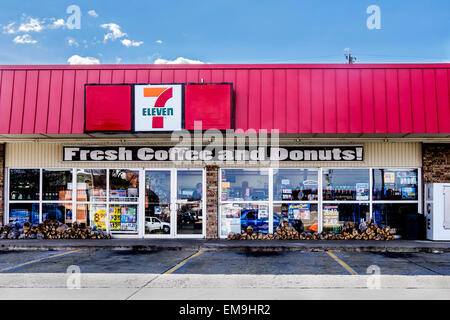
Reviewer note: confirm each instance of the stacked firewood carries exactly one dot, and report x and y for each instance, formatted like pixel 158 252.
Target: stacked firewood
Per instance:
pixel 51 229
pixel 365 231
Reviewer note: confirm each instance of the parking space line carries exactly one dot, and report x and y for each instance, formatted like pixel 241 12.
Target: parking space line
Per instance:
pixel 182 263
pixel 39 260
pixel 342 263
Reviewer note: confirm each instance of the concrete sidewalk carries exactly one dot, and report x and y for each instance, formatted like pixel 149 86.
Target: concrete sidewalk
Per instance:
pixel 244 245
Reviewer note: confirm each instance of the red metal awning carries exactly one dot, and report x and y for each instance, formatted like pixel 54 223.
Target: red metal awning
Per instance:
pixel 296 99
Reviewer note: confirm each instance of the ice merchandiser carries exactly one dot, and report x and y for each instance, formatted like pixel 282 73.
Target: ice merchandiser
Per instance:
pixel 437 211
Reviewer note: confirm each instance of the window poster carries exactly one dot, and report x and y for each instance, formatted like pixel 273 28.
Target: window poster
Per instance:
pixel 232 221
pixel 19 216
pixel 330 215
pixel 299 211
pixel 263 214
pixel 389 177
pixel 98 217
pixel 409 193
pixel 123 218
pixel 362 191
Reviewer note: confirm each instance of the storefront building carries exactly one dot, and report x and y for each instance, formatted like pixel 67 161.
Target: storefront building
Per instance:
pixel 320 144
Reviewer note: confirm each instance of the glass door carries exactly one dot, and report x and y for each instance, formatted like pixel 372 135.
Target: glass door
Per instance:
pixel 158 215
pixel 189 203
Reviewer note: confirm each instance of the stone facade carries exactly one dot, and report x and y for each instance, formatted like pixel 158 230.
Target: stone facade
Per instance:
pixel 212 209
pixel 436 163
pixel 2 182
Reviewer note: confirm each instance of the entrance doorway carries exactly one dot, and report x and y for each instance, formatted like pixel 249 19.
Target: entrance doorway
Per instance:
pixel 174 203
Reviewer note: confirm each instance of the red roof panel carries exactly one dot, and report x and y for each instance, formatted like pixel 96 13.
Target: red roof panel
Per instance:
pixel 293 98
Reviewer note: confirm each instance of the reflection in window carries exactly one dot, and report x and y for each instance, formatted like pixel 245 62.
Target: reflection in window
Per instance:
pixel 24 184
pixel 335 215
pixel 24 212
pixel 157 202
pixel 245 185
pixel 189 218
pixel 394 184
pixel 61 212
pixel 237 218
pixel 91 185
pixel 123 185
pixel 302 216
pixel 57 184
pixel 393 214
pixel 346 184
pixel 295 184
pixel 189 185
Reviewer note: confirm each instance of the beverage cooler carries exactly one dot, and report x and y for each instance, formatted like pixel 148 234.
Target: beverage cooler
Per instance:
pixel 437 211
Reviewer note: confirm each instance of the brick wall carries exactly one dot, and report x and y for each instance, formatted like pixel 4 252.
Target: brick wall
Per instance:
pixel 436 163
pixel 2 182
pixel 212 193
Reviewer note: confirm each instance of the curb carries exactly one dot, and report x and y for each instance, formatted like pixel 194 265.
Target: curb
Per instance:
pixel 249 246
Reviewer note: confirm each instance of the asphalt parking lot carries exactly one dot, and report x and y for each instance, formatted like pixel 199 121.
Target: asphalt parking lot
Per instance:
pixel 224 262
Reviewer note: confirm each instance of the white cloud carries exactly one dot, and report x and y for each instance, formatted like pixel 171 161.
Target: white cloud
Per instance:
pixel 76 59
pixel 159 41
pixel 93 13
pixel 131 43
pixel 24 39
pixel 115 32
pixel 32 25
pixel 60 23
pixel 9 28
pixel 179 60
pixel 118 60
pixel 72 42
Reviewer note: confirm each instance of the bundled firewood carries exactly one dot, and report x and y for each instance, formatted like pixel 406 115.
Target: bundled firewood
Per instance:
pixel 285 231
pixel 51 229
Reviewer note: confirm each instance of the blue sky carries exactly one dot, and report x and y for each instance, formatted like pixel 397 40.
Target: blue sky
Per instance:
pixel 223 31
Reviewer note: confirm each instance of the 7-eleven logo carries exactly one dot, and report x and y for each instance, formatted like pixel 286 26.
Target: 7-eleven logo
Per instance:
pixel 163 95
pixel 158 107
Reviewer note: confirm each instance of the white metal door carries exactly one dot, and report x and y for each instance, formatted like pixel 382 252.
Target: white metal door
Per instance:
pixel 446 207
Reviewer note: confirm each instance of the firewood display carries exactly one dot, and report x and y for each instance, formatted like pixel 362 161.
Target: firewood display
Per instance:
pixel 51 229
pixel 366 231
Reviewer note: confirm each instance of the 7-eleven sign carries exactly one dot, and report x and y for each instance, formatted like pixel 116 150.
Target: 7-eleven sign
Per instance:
pixel 158 107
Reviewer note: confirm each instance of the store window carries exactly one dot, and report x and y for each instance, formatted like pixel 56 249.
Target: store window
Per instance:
pixel 24 184
pixel 395 184
pixel 393 214
pixel 91 188
pixel 123 187
pixel 238 186
pixel 189 202
pixel 295 185
pixel 57 184
pixel 61 212
pixel 24 212
pixel 335 215
pixel 245 185
pixel 157 202
pixel 91 185
pixel 303 217
pixel 346 184
pixel 237 217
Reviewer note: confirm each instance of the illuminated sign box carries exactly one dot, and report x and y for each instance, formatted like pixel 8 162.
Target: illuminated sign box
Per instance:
pixel 209 103
pixel 157 107
pixel 108 108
